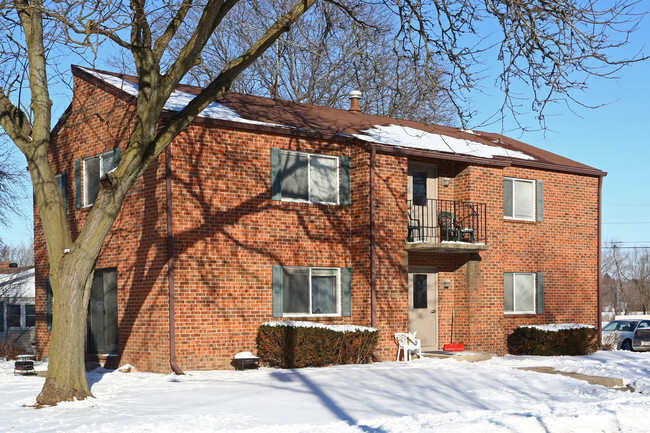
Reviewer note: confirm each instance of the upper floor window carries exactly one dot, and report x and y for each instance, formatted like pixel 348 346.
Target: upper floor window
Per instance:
pixel 519 198
pixel 306 177
pixel 94 168
pixel 62 182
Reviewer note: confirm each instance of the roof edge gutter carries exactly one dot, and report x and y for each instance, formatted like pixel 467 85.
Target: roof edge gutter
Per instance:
pixel 170 262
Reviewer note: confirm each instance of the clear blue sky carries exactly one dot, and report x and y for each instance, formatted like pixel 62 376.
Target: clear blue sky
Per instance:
pixel 613 138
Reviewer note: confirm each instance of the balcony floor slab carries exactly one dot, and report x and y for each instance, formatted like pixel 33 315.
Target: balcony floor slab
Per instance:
pixel 446 247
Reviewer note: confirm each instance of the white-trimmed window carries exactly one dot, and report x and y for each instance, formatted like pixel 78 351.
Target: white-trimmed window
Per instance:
pixel 519 198
pixel 19 316
pixel 93 169
pixel 311 291
pixel 310 178
pixel 521 292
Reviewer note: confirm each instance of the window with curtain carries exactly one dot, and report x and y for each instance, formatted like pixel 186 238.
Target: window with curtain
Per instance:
pixel 311 291
pixel 519 198
pixel 519 292
pixel 308 177
pixel 94 168
pixel 19 316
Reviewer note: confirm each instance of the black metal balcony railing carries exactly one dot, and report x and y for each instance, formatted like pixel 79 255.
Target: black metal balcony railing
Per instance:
pixel 447 221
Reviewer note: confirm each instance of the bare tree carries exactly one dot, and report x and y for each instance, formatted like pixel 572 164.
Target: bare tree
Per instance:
pixel 13 178
pixel 615 268
pixel 639 276
pixel 548 44
pixel 626 279
pixel 325 55
pixel 21 254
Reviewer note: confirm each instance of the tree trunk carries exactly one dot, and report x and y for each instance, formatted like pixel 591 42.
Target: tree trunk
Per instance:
pixel 66 373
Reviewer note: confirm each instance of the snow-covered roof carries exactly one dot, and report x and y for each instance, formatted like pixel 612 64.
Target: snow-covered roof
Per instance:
pixel 442 142
pixel 404 136
pixel 179 100
pixel 19 284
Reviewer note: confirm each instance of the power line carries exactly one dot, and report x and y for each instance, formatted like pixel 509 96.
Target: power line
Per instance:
pixel 627 204
pixel 625 248
pixel 633 222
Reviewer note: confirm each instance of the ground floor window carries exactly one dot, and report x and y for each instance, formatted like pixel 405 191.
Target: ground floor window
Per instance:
pixel 310 291
pixel 18 316
pixel 519 292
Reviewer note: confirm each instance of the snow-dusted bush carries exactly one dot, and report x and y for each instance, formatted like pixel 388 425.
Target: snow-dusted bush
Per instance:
pixel 308 344
pixel 553 340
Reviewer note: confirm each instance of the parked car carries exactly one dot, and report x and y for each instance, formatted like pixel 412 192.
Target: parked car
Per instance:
pixel 627 335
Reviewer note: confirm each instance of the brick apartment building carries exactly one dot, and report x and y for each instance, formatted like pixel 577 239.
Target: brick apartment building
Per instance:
pixel 286 211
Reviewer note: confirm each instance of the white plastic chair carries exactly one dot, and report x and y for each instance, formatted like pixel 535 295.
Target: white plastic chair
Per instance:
pixel 408 344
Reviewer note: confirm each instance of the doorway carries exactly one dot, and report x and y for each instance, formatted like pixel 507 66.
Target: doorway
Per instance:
pixel 101 337
pixel 423 305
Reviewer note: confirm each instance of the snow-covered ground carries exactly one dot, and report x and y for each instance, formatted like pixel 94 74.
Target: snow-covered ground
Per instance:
pixel 420 396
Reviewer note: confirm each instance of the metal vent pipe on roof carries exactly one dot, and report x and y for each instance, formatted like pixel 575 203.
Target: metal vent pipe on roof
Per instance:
pixel 354 96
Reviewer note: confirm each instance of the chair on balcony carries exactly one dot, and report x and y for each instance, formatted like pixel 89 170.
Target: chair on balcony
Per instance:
pixel 447 224
pixel 414 224
pixel 453 230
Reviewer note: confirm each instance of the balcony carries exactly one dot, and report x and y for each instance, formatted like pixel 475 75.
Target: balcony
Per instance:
pixel 446 226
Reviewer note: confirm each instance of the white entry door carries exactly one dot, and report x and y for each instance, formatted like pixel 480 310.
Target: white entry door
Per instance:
pixel 423 306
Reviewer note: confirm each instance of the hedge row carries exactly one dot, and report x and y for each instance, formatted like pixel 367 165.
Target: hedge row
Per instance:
pixel 297 346
pixel 534 341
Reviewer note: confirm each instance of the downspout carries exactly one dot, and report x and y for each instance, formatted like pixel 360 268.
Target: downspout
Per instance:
pixel 599 259
pixel 373 267
pixel 170 262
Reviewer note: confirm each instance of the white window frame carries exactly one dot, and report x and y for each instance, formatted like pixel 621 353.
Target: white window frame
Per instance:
pixel 23 316
pixel 309 156
pixel 514 293
pixel 338 295
pixel 514 200
pixel 102 171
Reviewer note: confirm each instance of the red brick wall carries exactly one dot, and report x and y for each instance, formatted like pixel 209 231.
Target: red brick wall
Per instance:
pixel 564 246
pixel 228 234
pixel 136 245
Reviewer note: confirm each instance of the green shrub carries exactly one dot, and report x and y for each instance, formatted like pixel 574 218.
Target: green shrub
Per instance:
pixel 307 344
pixel 548 341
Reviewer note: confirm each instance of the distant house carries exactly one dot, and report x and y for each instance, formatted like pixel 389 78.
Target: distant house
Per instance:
pixel 283 211
pixel 17 305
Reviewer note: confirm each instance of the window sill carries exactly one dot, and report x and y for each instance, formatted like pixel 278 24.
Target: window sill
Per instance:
pixel 323 203
pixel 524 220
pixel 520 313
pixel 309 316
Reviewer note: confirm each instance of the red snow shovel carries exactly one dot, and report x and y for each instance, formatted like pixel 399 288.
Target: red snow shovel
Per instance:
pixel 453 347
